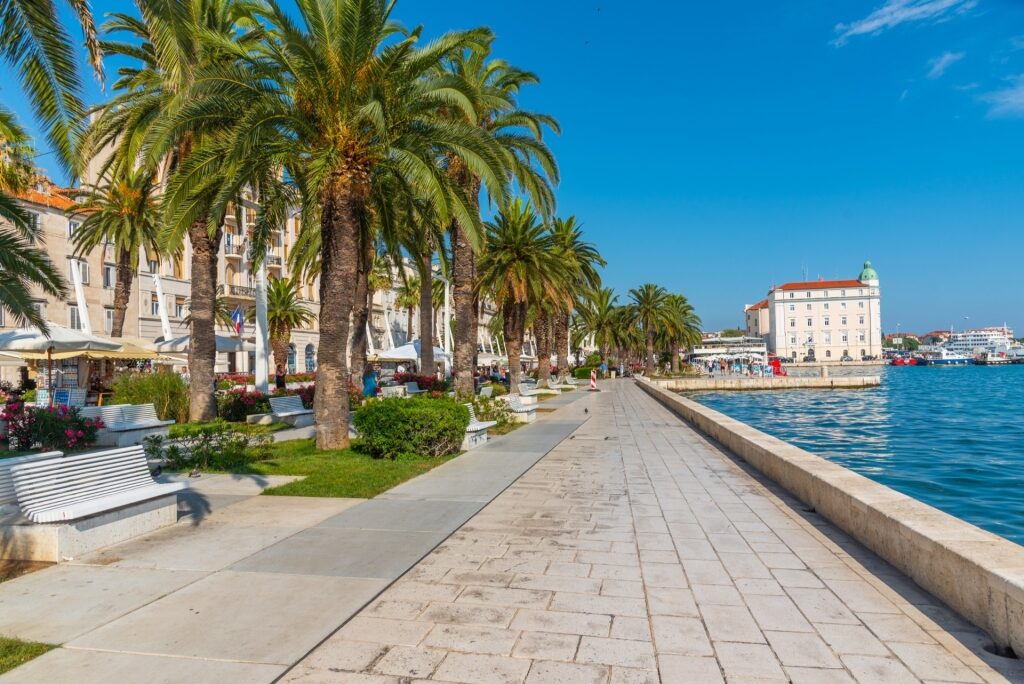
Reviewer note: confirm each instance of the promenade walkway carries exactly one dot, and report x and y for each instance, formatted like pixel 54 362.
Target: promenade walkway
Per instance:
pixel 637 552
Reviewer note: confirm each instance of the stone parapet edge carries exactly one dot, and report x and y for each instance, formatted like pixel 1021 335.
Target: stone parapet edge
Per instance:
pixel 976 573
pixel 779 383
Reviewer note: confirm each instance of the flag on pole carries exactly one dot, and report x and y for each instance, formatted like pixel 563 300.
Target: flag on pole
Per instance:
pixel 237 318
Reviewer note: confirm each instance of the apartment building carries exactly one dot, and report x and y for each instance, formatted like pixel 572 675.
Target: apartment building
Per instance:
pixel 823 320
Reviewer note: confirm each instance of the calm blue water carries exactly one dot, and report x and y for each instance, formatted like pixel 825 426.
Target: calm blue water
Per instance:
pixel 951 437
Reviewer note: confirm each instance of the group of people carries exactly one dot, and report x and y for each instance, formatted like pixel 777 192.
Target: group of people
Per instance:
pixel 732 367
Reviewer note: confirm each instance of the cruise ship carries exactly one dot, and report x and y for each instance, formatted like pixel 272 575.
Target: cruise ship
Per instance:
pixel 973 342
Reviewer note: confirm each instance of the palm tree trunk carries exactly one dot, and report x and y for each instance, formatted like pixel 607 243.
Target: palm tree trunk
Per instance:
pixel 202 348
pixel 426 316
pixel 361 313
pixel 561 325
pixel 649 365
pixel 279 346
pixel 542 333
pixel 343 199
pixel 122 291
pixel 675 356
pixel 463 294
pixel 514 324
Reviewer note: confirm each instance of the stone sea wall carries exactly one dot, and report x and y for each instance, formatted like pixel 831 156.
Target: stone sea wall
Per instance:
pixel 978 574
pixel 785 382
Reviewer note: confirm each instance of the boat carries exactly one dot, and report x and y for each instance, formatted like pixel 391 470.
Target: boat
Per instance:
pixel 944 357
pixel 987 358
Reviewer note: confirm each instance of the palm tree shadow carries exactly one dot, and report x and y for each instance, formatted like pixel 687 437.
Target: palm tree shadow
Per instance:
pixel 193 504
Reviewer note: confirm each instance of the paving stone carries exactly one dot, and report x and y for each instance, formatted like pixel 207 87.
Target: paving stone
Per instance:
pixel 851 639
pixel 821 605
pixel 546 672
pixel 675 668
pixel 748 660
pixel 493 596
pixel 931 661
pixel 604 605
pixel 406 661
pixel 472 639
pixel 384 631
pixel 665 601
pixel 877 669
pixel 471 669
pixel 343 654
pixel 680 636
pixel 802 650
pixel 468 614
pixel 623 588
pixel 777 613
pixel 632 675
pixel 562 622
pixel 716 595
pixel 732 623
pixel 638 629
pixel 663 575
pixel 546 646
pixel 554 583
pixel 624 652
pixel 808 675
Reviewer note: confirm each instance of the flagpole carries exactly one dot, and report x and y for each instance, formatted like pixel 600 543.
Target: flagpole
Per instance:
pixel 262 332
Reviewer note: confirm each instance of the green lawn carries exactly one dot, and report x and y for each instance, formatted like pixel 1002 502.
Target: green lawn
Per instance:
pixel 14 652
pixel 499 430
pixel 344 473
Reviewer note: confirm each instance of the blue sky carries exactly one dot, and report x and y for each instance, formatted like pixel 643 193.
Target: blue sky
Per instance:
pixel 718 148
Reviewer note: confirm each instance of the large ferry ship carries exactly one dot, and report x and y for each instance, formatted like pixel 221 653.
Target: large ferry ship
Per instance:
pixel 973 342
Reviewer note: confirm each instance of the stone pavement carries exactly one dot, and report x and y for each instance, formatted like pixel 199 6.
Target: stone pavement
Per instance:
pixel 636 551
pixel 244 586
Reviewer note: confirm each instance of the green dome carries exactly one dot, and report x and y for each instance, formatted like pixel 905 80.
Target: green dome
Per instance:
pixel 868 273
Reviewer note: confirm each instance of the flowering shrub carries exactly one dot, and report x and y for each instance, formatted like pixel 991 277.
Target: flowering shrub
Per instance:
pixel 425 382
pixel 229 380
pixel 49 428
pixel 235 404
pixel 306 393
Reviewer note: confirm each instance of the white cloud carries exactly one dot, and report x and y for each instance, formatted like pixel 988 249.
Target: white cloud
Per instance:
pixel 1008 102
pixel 896 12
pixel 939 65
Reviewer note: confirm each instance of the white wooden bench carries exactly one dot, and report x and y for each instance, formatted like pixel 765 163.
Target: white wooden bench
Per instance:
pixel 126 424
pixel 476 431
pixel 556 385
pixel 521 413
pixel 289 409
pixel 7 494
pixel 487 391
pixel 412 389
pixel 528 390
pixel 72 487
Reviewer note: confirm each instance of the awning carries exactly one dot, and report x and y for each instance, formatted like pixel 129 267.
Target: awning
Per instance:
pixel 225 344
pixel 59 340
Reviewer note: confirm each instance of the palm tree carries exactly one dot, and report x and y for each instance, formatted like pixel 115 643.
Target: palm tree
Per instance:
pixel 519 266
pixel 526 158
pixel 582 261
pixel 648 310
pixel 173 42
pixel 407 296
pixel 345 103
pixel 23 266
pixel 285 312
pixel 121 212
pixel 682 326
pixel 598 317
pixel 222 311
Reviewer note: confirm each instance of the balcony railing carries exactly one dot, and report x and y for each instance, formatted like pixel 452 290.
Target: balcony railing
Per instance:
pixel 273 260
pixel 242 291
pixel 234 250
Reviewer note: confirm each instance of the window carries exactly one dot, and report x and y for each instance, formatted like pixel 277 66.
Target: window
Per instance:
pixel 792 294
pixel 154 266
pixel 842 293
pixel 810 322
pixel 792 322
pixel 826 306
pixel 792 339
pixel 808 295
pixel 74 320
pixel 154 305
pixel 72 227
pixel 862 320
pixel 291 358
pixel 828 353
pixel 40 308
pixel 83 268
pixel 310 358
pixel 842 320
pixel 179 307
pixel 792 307
pixel 109 276
pixel 861 338
pixel 826 321
pixel 845 338
pixel 33 220
pixel 108 321
pixel 842 305
pixel 828 338
pixel 860 305
pixel 808 306
pixel 863 353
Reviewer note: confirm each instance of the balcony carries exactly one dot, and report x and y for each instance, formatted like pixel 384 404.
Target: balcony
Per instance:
pixel 234 250
pixel 242 291
pixel 274 260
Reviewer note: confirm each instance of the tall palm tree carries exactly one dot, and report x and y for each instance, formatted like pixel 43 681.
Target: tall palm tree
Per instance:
pixel 173 42
pixel 648 310
pixel 123 212
pixel 345 102
pixel 23 266
pixel 682 326
pixel 495 112
pixel 407 296
pixel 285 312
pixel 582 261
pixel 519 266
pixel 598 317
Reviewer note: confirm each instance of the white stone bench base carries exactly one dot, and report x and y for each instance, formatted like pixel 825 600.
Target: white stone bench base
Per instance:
pixel 127 438
pixel 57 542
pixel 260 419
pixel 474 439
pixel 527 417
pixel 528 399
pixel 297 420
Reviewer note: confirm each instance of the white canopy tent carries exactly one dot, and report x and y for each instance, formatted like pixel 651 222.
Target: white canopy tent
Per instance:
pixel 410 352
pixel 180 345
pixel 60 339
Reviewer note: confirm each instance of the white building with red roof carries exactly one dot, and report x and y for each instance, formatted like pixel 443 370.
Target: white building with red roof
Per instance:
pixel 822 320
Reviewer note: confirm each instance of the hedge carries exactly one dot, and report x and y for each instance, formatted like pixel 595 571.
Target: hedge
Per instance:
pixel 421 426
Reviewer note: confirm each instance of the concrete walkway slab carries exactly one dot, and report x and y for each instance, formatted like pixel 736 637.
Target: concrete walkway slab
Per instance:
pixel 404 515
pixel 104 667
pixel 247 617
pixel 60 603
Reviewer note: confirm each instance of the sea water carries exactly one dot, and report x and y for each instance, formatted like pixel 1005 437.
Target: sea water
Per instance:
pixel 952 437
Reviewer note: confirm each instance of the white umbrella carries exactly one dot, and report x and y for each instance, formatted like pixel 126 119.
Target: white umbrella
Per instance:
pixel 60 339
pixel 179 345
pixel 409 352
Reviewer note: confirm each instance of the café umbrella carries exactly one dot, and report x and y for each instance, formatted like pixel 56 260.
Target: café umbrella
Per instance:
pixel 58 340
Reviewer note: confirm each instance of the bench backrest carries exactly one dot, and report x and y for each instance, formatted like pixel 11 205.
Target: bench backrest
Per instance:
pixel 412 387
pixel 487 391
pixel 109 414
pixel 52 482
pixel 7 495
pixel 514 402
pixel 393 391
pixel 138 413
pixel 525 387
pixel 286 404
pixel 472 414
